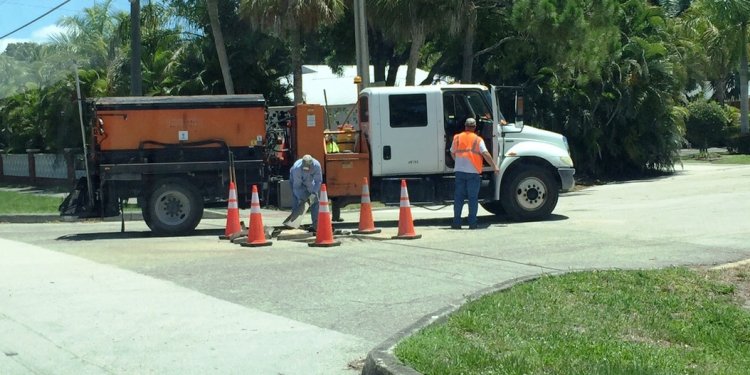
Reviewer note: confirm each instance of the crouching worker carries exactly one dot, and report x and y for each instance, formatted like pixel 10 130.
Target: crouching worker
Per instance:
pixel 306 177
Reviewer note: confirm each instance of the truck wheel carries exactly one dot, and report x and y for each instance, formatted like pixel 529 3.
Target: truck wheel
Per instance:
pixel 529 193
pixel 174 207
pixel 494 207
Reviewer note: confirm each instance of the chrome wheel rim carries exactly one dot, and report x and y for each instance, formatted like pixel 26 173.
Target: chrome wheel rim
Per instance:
pixel 531 193
pixel 172 208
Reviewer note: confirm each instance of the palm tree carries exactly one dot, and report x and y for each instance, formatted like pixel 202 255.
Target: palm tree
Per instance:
pixel 733 15
pixel 288 19
pixel 410 21
pixel 213 13
pixel 96 40
pixel 94 34
pixel 711 48
pixel 164 49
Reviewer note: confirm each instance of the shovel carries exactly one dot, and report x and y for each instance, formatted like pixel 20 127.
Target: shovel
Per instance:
pixel 295 218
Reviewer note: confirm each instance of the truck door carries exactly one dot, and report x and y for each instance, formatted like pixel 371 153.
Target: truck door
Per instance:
pixel 409 134
pixel 458 105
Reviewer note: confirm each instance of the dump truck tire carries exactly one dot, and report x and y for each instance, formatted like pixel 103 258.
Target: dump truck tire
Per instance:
pixel 174 207
pixel 529 194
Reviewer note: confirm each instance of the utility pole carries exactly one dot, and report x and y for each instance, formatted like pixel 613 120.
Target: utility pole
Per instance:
pixel 360 35
pixel 136 84
pixel 90 202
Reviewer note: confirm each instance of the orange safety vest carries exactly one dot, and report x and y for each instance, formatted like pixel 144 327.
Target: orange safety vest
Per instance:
pixel 466 145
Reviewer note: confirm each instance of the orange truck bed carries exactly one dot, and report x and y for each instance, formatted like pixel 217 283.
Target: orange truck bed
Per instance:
pixel 122 123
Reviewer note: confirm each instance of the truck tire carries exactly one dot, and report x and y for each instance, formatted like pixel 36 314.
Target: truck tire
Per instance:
pixel 494 207
pixel 530 193
pixel 174 207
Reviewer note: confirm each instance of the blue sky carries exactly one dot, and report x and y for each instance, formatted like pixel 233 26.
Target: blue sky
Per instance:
pixel 15 13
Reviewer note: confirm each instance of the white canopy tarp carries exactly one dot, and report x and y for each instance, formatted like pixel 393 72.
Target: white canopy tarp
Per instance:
pixel 339 89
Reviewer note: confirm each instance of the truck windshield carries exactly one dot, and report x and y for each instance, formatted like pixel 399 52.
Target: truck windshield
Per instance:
pixel 479 105
pixel 488 97
pixel 459 105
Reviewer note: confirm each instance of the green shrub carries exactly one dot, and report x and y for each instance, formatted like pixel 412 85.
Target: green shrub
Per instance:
pixel 708 124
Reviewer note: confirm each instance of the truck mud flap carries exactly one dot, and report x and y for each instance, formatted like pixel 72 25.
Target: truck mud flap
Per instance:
pixel 76 203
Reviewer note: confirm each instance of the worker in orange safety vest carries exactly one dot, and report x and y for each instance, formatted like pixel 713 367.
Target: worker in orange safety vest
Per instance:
pixel 468 150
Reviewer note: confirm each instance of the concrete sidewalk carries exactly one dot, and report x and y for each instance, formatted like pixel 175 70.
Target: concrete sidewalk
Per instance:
pixel 135 324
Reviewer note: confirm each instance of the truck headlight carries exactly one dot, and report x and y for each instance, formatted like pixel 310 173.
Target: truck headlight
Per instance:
pixel 567 161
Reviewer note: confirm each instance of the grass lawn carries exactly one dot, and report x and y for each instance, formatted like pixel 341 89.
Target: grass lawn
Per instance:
pixel 732 159
pixel 672 321
pixel 12 202
pixel 719 158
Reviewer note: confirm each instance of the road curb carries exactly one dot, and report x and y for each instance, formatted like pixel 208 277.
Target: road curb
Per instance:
pixel 382 361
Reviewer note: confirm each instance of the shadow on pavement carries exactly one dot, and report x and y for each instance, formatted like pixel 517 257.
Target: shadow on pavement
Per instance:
pixel 127 235
pixel 483 222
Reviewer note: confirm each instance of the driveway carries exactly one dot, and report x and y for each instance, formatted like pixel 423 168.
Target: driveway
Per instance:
pixel 86 298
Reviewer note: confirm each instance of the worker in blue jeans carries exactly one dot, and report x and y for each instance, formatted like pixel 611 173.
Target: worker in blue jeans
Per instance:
pixel 306 178
pixel 468 150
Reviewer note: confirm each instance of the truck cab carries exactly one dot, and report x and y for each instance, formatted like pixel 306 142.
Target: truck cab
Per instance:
pixel 409 131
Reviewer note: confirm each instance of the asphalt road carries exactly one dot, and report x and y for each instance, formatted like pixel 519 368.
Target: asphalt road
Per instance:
pixel 86 298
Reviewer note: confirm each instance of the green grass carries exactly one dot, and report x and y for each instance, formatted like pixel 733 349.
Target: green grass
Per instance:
pixel 732 159
pixel 671 321
pixel 719 158
pixel 12 202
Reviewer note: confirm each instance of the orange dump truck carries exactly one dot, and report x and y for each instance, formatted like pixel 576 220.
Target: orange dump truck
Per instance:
pixel 176 155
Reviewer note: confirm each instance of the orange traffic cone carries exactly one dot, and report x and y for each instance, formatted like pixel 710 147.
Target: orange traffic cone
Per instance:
pixel 324 235
pixel 256 236
pixel 405 223
pixel 233 214
pixel 366 224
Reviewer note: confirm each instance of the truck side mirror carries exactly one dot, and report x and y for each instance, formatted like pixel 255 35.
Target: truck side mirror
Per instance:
pixel 519 106
pixel 519 111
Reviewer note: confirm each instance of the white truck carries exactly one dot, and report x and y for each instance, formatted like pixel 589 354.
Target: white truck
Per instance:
pixel 409 132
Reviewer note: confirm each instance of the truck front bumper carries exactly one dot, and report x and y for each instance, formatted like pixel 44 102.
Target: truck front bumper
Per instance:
pixel 566 178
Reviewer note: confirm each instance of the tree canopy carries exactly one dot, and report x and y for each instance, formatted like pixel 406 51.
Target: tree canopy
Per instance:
pixel 614 76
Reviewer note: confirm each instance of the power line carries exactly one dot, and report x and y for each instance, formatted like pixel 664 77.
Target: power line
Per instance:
pixel 34 20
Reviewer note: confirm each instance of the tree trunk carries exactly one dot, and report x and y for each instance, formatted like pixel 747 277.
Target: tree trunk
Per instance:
pixel 418 38
pixel 394 63
pixel 743 80
pixel 213 13
pixel 720 90
pixel 438 65
pixel 390 79
pixel 468 57
pixel 296 54
pixel 381 52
